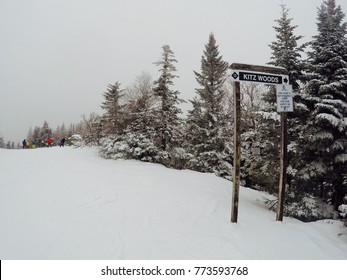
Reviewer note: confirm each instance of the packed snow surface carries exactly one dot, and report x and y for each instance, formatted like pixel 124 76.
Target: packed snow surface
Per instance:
pixel 68 203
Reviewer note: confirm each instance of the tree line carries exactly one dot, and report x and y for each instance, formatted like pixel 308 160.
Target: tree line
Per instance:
pixel 144 121
pixel 40 133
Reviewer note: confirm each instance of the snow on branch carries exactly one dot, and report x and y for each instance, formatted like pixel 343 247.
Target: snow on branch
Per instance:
pixel 328 117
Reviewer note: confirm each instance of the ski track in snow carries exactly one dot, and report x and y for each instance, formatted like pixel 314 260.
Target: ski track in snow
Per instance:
pixel 68 203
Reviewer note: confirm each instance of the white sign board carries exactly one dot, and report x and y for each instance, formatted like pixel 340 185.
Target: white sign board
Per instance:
pixel 284 94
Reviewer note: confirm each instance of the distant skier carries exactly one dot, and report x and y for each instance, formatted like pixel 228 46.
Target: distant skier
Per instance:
pixel 62 142
pixel 49 141
pixel 33 144
pixel 24 143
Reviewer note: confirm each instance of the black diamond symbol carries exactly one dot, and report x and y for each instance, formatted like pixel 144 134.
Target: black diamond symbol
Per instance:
pixel 285 80
pixel 234 75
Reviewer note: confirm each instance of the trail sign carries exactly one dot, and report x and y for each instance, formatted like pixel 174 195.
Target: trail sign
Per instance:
pixel 276 76
pixel 284 95
pixel 256 77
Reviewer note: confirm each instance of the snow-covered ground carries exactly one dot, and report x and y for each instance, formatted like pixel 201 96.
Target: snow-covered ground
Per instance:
pixel 68 203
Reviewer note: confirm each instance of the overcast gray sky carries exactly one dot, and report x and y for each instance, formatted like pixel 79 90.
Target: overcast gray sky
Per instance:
pixel 58 56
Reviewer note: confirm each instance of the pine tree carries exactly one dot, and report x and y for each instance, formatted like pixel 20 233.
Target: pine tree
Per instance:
pixel 167 133
pixel 285 50
pixel 36 136
pixel 206 137
pixel 45 132
pixel 137 142
pixel 113 119
pixel 325 96
pixel 286 53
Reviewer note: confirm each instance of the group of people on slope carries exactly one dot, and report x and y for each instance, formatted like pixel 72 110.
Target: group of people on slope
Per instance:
pixel 48 143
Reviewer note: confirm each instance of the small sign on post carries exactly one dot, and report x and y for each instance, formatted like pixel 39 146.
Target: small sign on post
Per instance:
pixel 284 95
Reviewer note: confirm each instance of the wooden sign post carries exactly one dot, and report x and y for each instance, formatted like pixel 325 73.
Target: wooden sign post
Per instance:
pixel 284 105
pixel 237 152
pixel 255 74
pixel 283 167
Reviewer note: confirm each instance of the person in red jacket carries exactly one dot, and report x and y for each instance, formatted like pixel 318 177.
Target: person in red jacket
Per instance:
pixel 49 141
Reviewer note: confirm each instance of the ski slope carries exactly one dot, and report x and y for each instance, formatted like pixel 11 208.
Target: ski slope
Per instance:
pixel 68 203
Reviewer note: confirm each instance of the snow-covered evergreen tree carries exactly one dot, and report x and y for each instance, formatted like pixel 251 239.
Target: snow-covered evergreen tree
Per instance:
pixel 36 136
pixel 113 119
pixel 259 135
pixel 206 137
pixel 45 132
pixel 325 97
pixel 263 172
pixel 167 122
pixel 136 142
pixel 286 53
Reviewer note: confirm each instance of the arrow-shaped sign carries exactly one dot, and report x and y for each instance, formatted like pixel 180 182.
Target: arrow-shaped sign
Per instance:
pixel 255 77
